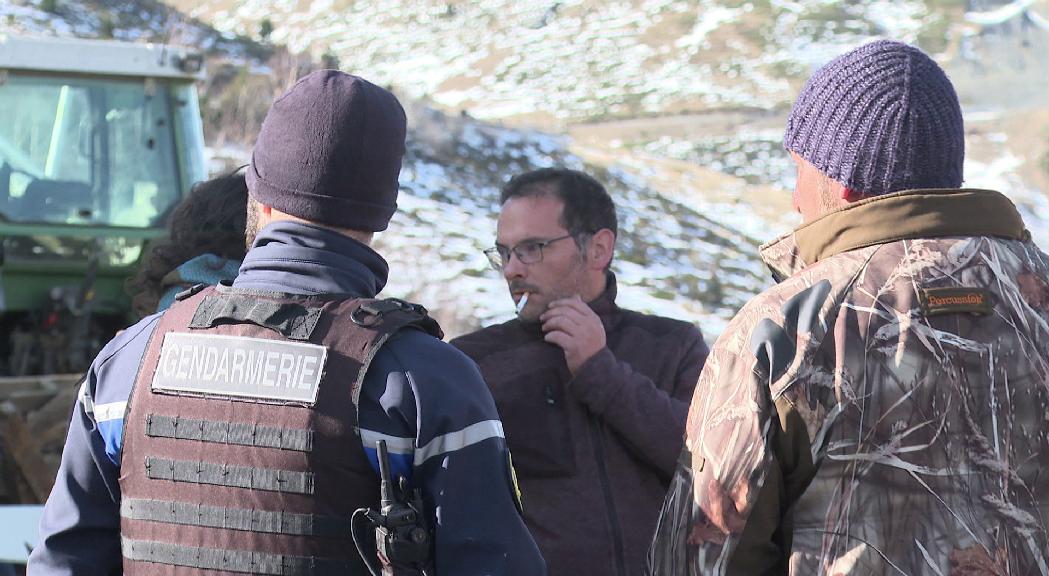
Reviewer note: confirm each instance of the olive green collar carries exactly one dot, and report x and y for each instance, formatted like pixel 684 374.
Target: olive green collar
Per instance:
pixel 909 214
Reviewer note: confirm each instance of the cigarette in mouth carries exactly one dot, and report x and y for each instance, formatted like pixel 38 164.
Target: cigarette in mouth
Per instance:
pixel 522 302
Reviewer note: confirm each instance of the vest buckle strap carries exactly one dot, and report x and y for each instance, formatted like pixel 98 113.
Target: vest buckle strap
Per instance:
pixel 370 312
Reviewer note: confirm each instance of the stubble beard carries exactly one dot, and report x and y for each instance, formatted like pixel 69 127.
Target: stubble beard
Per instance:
pixel 828 202
pixel 575 282
pixel 251 224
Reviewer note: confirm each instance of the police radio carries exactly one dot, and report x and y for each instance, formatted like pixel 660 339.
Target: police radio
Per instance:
pixel 402 536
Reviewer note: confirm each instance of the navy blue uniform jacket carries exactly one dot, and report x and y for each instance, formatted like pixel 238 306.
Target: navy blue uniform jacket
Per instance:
pixel 424 397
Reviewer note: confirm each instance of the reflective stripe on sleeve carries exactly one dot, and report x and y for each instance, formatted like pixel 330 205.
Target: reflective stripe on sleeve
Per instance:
pixel 454 441
pixel 85 399
pixel 110 411
pixel 395 444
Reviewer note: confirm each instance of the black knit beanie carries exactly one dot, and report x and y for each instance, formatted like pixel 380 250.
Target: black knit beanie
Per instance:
pixel 330 151
pixel 880 118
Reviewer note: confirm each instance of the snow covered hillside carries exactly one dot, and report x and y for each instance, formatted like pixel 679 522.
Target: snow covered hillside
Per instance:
pixel 576 59
pixel 132 21
pixel 677 106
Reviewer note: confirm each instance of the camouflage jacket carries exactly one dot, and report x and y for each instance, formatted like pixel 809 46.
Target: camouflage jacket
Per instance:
pixel 884 409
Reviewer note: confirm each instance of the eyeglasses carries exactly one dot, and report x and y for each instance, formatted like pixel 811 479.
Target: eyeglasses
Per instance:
pixel 528 252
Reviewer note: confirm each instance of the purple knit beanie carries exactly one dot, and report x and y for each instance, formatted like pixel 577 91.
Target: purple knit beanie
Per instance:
pixel 330 152
pixel 879 119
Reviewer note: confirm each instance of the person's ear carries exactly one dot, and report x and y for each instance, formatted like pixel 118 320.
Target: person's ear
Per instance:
pixel 264 213
pixel 850 195
pixel 602 244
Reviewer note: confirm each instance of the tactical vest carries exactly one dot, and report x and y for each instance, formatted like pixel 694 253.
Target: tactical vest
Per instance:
pixel 242 452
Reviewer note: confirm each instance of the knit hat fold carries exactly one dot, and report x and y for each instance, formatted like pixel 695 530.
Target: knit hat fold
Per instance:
pixel 330 152
pixel 878 119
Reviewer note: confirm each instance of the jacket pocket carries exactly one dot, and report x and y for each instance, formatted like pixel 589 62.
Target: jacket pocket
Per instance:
pixel 535 422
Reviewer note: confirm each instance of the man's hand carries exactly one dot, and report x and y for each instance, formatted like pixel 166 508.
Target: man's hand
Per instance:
pixel 572 325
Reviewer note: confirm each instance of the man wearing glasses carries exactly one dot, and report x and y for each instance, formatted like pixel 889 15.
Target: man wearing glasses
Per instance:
pixel 593 398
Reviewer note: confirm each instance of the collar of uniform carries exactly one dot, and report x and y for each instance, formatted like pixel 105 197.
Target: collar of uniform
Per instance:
pixel 905 215
pixel 300 258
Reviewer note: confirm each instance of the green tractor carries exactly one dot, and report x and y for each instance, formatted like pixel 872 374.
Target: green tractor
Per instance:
pixel 98 141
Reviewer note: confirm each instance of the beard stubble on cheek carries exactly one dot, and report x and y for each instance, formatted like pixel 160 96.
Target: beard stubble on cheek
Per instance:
pixel 251 224
pixel 567 281
pixel 572 284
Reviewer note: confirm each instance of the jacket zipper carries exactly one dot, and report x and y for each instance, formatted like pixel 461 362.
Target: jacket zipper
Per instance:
pixel 613 516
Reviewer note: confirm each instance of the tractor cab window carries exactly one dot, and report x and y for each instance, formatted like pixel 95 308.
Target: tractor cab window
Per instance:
pixel 86 151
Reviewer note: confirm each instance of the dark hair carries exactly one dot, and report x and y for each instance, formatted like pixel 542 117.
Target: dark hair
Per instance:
pixel 588 207
pixel 209 221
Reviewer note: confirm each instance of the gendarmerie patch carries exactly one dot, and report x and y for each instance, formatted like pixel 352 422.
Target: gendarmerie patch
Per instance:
pixel 935 301
pixel 237 366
